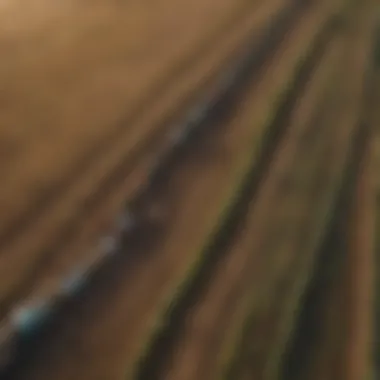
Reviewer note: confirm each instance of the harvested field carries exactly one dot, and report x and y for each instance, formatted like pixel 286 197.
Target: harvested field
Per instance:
pixel 177 227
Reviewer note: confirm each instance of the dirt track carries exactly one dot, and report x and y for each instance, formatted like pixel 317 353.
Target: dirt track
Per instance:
pixel 112 326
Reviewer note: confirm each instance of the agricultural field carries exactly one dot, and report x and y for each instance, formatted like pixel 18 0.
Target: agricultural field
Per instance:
pixel 114 156
pixel 188 187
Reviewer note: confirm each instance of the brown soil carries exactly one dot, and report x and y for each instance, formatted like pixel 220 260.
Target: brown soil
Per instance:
pixel 109 326
pixel 45 234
